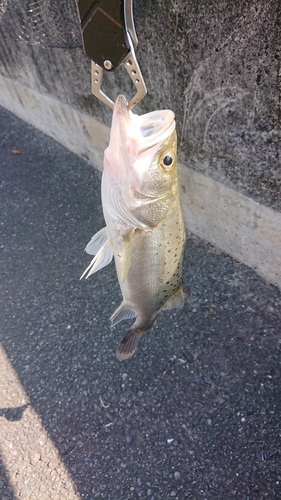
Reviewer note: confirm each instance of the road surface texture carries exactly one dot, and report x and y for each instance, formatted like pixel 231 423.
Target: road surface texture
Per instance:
pixel 194 414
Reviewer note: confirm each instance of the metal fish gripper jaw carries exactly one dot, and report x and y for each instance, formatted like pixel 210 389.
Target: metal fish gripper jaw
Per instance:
pixel 109 39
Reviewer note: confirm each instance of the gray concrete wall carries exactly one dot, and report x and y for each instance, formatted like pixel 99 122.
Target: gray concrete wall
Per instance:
pixel 217 65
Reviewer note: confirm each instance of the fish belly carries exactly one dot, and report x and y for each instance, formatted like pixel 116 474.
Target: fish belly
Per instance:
pixel 154 273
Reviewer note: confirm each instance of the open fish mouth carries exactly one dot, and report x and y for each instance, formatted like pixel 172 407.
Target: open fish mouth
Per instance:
pixel 147 130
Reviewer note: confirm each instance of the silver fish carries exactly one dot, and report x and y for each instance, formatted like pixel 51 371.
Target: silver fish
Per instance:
pixel 144 226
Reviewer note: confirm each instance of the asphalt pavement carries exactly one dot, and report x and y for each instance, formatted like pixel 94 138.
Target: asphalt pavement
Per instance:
pixel 194 414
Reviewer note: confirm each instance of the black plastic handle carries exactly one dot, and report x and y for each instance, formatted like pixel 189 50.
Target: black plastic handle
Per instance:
pixel 104 31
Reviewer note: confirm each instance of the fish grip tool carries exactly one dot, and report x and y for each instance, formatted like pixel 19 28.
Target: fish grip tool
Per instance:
pixel 109 40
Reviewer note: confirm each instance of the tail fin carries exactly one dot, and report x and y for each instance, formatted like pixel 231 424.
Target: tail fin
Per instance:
pixel 128 345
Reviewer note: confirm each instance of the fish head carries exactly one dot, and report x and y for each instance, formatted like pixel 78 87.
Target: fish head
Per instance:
pixel 141 155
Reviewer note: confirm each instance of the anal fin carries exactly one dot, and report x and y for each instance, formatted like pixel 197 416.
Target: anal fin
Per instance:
pixel 122 312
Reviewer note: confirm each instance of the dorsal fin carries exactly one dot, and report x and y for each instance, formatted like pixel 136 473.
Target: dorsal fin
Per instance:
pixel 176 300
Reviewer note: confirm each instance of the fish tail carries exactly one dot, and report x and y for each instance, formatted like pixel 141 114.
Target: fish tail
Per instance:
pixel 128 344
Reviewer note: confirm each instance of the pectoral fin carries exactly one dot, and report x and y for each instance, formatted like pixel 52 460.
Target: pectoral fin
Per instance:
pixel 101 259
pixel 126 255
pixel 176 301
pixel 97 241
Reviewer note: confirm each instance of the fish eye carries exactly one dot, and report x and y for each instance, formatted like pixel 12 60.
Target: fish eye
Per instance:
pixel 167 161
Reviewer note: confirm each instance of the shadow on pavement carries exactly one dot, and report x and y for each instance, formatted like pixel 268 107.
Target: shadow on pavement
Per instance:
pixel 13 414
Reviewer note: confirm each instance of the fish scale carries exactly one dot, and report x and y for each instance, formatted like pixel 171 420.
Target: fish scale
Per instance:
pixel 144 226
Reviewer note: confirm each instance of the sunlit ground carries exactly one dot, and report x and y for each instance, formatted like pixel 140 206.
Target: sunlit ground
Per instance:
pixel 30 458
